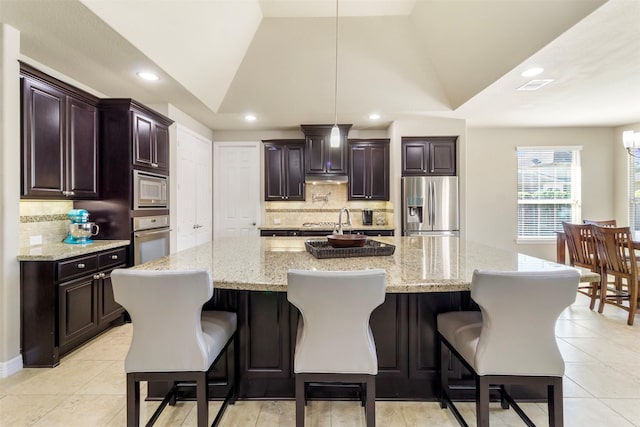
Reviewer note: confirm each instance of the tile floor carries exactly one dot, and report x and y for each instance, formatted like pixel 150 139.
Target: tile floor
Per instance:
pixel 601 387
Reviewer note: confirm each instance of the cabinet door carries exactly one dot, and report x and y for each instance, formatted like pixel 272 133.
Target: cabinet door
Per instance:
pixel 294 164
pixel 43 123
pixel 274 179
pixel 315 150
pixel 143 152
pixel 264 334
pixel 82 150
pixel 108 308
pixel 379 172
pixel 414 158
pixel 358 173
pixel 161 147
pixel 78 315
pixel 337 156
pixel 369 171
pixel 442 157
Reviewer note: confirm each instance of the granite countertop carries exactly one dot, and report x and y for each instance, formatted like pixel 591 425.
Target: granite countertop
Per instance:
pixel 419 264
pixel 58 251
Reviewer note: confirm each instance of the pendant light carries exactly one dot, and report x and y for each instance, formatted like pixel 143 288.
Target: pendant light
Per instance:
pixel 335 131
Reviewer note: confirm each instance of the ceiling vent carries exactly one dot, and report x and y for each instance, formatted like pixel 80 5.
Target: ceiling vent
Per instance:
pixel 535 84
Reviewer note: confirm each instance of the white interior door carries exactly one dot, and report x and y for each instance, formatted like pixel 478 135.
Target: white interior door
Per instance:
pixel 236 182
pixel 194 182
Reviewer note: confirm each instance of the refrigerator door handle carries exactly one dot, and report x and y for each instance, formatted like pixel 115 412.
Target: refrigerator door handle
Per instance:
pixel 432 197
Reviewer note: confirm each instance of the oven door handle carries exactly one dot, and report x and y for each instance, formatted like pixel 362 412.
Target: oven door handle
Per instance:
pixel 151 233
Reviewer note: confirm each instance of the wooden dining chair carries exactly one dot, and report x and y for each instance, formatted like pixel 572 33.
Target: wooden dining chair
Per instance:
pixel 603 223
pixel 582 253
pixel 618 259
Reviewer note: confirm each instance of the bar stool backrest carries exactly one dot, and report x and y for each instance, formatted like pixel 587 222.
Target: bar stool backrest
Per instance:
pixel 519 313
pixel 335 307
pixel 165 309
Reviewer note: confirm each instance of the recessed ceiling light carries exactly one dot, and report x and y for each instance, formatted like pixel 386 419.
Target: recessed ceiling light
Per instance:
pixel 532 72
pixel 250 118
pixel 148 76
pixel 535 84
pixel 374 116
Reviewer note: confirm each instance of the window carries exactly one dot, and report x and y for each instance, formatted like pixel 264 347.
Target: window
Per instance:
pixel 548 190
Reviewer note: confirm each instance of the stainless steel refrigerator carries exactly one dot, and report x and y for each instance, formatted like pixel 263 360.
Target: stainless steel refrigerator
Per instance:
pixel 430 205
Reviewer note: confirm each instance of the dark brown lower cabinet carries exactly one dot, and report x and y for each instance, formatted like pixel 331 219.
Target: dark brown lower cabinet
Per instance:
pixel 77 302
pixel 65 303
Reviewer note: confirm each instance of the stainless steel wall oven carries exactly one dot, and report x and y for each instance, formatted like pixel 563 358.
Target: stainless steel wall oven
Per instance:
pixel 150 238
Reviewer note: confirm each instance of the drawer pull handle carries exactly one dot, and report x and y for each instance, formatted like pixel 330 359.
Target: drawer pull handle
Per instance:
pixel 81 265
pixel 102 275
pixel 96 276
pixel 114 256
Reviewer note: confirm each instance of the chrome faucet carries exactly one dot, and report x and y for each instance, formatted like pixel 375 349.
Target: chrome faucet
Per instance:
pixel 339 227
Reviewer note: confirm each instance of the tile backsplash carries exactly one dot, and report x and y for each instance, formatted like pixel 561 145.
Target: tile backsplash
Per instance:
pixel 323 203
pixel 45 218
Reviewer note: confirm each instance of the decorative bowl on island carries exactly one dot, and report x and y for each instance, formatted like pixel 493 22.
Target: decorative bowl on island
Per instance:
pixel 347 240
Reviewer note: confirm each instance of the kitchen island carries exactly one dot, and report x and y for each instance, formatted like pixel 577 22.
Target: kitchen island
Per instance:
pixel 425 276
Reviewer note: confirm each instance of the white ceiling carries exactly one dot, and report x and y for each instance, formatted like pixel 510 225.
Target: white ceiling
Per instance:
pixel 221 59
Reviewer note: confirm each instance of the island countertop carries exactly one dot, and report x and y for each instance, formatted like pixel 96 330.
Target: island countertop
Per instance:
pixel 419 264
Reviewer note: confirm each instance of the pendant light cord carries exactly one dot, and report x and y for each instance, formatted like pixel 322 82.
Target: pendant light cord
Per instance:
pixel 335 94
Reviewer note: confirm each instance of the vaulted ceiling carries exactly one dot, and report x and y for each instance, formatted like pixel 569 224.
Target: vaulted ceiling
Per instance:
pixel 220 59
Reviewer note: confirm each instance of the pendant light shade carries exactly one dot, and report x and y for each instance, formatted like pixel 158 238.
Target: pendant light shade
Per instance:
pixel 335 136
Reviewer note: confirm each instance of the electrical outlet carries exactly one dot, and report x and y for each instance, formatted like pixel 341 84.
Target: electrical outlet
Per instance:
pixel 35 240
pixel 277 221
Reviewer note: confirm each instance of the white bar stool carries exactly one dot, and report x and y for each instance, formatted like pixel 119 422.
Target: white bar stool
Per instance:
pixel 173 339
pixel 511 340
pixel 334 342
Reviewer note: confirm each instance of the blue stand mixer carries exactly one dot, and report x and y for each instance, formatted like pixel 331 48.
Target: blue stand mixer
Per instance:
pixel 80 229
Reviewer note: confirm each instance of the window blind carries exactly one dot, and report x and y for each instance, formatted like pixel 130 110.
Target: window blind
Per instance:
pixel 548 190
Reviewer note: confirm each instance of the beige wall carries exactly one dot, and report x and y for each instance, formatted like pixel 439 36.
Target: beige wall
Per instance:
pixel 10 360
pixel 492 178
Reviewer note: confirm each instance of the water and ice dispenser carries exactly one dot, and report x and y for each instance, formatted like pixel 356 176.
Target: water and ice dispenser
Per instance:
pixel 414 212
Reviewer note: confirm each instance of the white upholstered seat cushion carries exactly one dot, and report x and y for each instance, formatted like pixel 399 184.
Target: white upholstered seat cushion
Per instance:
pixel 462 330
pixel 217 328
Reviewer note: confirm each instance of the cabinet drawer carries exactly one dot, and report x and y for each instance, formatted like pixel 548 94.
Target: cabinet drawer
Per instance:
pixel 110 258
pixel 77 267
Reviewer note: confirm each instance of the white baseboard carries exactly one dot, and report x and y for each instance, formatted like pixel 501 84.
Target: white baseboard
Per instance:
pixel 11 367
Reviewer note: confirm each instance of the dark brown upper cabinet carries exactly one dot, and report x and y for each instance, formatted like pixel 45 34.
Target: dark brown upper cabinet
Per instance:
pixel 284 170
pixel 150 143
pixel 59 139
pixel 130 127
pixel 429 155
pixel 320 157
pixel 368 169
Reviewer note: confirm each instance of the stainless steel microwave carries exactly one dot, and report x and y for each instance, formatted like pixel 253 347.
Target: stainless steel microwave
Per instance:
pixel 150 191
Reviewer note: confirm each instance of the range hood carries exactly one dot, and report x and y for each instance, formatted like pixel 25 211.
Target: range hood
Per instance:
pixel 326 179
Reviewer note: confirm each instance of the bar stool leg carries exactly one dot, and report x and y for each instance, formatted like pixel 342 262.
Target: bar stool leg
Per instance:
pixel 202 397
pixel 444 373
pixel 370 410
pixel 554 396
pixel 133 401
pixel 299 400
pixel 482 401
